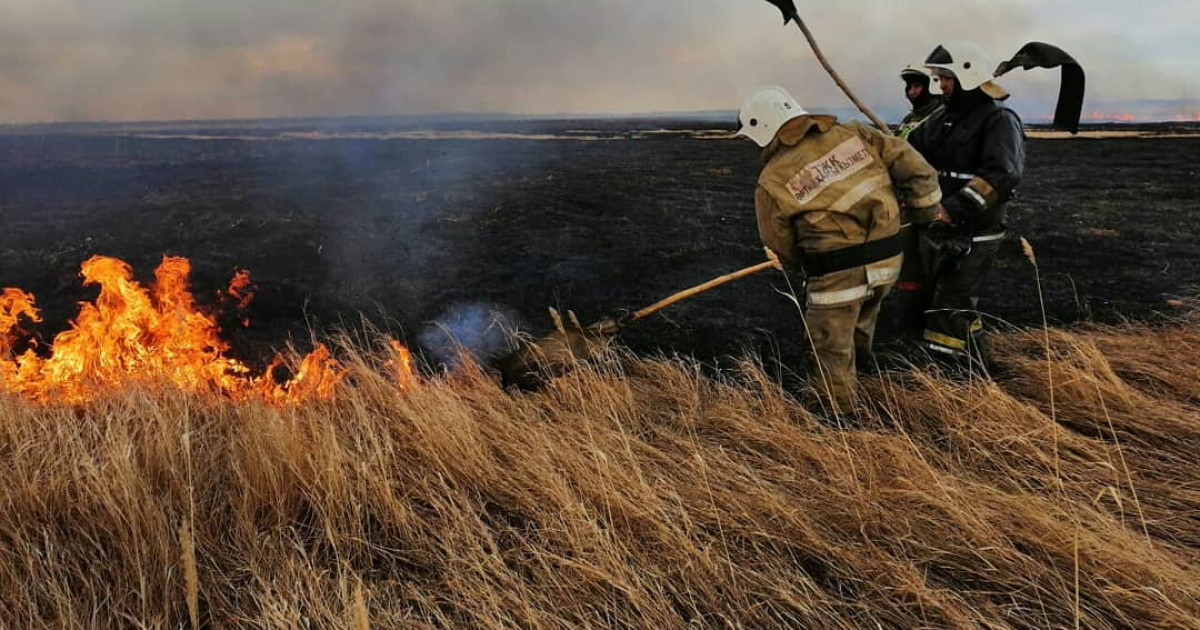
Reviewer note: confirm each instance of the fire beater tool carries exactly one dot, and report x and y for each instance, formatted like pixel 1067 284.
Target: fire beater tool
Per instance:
pixel 555 353
pixel 1071 88
pixel 788 8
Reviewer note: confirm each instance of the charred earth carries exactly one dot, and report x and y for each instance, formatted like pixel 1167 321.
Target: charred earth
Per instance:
pixel 435 229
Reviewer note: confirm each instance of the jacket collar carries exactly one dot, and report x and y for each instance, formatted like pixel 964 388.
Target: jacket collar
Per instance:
pixel 930 103
pixel 794 130
pixel 966 101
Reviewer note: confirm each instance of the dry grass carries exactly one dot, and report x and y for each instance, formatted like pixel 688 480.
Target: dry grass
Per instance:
pixel 650 496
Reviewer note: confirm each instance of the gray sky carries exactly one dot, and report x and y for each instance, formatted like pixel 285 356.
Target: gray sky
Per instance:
pixel 195 59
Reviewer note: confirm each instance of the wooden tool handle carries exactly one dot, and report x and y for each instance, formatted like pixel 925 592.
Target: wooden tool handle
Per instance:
pixel 862 107
pixel 698 289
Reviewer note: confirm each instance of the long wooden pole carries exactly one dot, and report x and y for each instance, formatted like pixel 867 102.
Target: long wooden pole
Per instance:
pixel 701 288
pixel 862 107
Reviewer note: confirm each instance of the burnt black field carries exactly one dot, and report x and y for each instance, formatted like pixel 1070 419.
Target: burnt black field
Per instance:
pixel 424 236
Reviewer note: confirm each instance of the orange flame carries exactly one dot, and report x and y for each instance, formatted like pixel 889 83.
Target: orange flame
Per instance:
pixel 131 335
pixel 403 365
pixel 1099 116
pixel 14 304
pixel 241 290
pixel 239 294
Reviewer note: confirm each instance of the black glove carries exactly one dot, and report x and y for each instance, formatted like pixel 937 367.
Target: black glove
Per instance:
pixel 959 212
pixel 941 247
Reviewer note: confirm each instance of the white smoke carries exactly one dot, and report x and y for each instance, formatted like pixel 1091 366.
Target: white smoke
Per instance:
pixel 173 59
pixel 479 330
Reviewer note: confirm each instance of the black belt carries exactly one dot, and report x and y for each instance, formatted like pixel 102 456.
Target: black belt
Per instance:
pixel 822 263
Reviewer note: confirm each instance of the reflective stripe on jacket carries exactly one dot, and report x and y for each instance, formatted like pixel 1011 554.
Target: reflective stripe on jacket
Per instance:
pixel 918 116
pixel 827 186
pixel 979 145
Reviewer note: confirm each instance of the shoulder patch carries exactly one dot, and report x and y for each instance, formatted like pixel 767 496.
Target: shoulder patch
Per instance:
pixel 843 161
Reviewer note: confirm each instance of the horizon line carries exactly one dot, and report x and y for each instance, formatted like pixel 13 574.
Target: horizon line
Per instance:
pixel 1094 115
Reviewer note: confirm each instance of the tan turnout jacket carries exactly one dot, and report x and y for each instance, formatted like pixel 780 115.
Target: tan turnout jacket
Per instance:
pixel 827 186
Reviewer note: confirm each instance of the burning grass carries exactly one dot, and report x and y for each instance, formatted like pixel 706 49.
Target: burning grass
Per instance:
pixel 133 334
pixel 636 495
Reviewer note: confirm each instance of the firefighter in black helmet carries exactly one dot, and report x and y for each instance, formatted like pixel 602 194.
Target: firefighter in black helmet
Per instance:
pixel 911 291
pixel 978 147
pixel 924 100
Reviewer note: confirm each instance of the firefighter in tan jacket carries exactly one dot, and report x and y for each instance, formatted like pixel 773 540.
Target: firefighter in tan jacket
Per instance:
pixel 827 204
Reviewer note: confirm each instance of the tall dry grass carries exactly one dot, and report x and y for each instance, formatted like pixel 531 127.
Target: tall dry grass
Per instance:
pixel 647 496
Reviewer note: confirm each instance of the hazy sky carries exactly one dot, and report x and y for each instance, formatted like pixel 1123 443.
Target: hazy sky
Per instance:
pixel 189 59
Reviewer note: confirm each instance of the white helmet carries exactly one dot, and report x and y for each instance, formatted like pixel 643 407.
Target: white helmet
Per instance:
pixel 918 70
pixel 967 62
pixel 765 111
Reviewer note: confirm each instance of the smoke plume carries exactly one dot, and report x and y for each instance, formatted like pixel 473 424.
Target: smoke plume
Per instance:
pixel 478 330
pixel 179 59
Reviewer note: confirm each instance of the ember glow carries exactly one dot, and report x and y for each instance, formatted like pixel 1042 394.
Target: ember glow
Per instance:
pixel 132 334
pixel 1101 116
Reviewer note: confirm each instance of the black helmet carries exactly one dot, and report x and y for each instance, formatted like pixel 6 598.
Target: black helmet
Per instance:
pixel 915 74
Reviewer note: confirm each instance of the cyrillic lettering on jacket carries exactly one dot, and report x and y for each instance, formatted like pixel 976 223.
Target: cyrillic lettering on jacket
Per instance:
pixel 843 161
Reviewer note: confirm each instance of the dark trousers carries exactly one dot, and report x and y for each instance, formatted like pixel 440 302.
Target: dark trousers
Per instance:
pixel 913 294
pixel 953 268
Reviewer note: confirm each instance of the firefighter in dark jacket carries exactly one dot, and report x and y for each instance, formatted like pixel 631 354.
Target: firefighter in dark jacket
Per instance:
pixel 911 292
pixel 924 101
pixel 978 147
